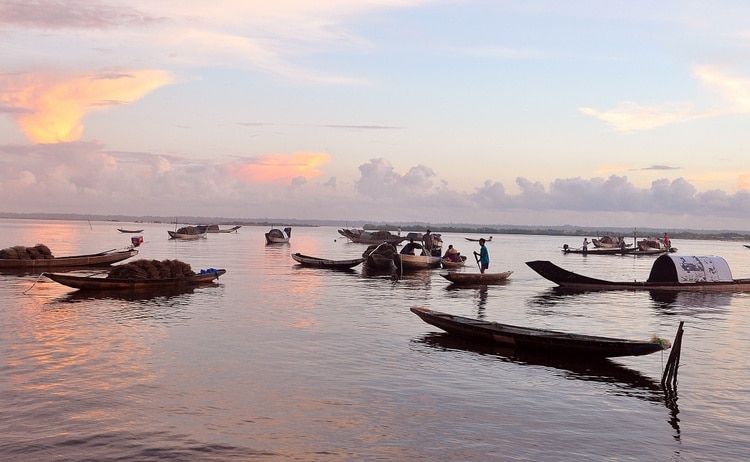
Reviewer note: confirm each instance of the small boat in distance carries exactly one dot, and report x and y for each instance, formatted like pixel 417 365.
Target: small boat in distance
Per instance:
pixel 134 231
pixel 187 233
pixel 668 273
pixel 477 279
pixel 216 229
pixel 277 236
pixel 471 239
pixel 583 347
pixel 316 262
pixel 360 236
pixel 36 262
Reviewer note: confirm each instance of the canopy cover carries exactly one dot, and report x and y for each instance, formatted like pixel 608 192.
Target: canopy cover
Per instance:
pixel 688 269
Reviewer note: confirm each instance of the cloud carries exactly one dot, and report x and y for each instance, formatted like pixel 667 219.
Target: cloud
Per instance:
pixel 379 179
pixel 630 117
pixel 279 167
pixel 70 14
pixel 49 108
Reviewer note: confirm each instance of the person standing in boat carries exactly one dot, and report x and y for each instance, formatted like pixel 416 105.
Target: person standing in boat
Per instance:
pixel 427 242
pixel 484 256
pixel 667 242
pixel 585 244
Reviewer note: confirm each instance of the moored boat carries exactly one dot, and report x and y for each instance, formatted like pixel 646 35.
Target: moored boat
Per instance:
pixel 668 273
pixel 316 262
pixel 133 231
pixel 360 236
pixel 278 236
pixel 140 275
pixel 418 262
pixel 187 233
pixel 20 258
pixel 477 278
pixel 583 347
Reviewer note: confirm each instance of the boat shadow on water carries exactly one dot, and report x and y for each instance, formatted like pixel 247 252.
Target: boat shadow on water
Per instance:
pixel 626 382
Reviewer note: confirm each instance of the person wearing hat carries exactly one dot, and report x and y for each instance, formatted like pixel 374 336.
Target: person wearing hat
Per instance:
pixel 484 256
pixel 452 254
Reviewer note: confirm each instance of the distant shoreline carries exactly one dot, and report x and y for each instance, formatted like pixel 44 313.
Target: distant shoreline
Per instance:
pixel 564 230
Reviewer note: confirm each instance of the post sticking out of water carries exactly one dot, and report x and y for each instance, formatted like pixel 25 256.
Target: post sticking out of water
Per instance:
pixel 669 378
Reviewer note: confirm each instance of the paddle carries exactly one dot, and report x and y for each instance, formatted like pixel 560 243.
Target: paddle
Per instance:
pixel 476 257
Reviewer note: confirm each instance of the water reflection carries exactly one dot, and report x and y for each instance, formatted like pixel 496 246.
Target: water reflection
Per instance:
pixel 628 382
pixel 481 294
pixel 688 303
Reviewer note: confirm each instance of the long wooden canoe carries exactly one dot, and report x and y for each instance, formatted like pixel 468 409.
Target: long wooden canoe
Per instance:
pixel 96 259
pixel 551 342
pixel 667 274
pixel 104 283
pixel 477 278
pixel 316 262
pixel 132 231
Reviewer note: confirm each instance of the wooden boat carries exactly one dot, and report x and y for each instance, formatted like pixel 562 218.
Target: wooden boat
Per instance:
pixel 477 278
pixel 471 239
pixel 584 347
pixel 216 229
pixel 133 231
pixel 418 262
pixel 668 273
pixel 103 283
pixel 450 264
pixel 610 242
pixel 187 233
pixel 381 256
pixel 277 236
pixel 360 236
pixel 599 250
pixel 316 262
pixel 105 258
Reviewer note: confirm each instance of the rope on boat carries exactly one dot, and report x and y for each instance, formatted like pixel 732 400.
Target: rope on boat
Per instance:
pixel 41 275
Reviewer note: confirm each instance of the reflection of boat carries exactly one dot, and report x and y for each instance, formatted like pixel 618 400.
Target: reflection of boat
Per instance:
pixel 586 347
pixel 669 272
pixel 105 283
pixel 277 236
pixel 601 370
pixel 45 263
pixel 134 231
pixel 316 262
pixel 187 233
pixel 477 278
pixel 361 236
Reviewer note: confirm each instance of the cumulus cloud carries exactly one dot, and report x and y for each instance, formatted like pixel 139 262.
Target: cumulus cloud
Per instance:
pixel 49 107
pixel 378 178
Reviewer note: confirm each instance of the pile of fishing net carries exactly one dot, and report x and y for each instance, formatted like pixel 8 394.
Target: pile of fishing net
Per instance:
pixel 152 269
pixel 189 230
pixel 19 252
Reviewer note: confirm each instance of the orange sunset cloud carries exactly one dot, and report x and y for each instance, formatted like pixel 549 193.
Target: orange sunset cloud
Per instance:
pixel 279 167
pixel 49 109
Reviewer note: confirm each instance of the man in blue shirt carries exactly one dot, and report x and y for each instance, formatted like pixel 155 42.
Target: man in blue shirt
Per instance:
pixel 484 256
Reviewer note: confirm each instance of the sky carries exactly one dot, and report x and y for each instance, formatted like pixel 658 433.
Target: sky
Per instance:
pixel 489 112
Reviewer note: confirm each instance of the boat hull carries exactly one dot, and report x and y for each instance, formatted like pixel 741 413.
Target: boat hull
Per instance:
pixel 186 237
pixel 574 281
pixel 419 262
pixel 316 262
pixel 100 283
pixel 551 342
pixel 477 278
pixel 98 259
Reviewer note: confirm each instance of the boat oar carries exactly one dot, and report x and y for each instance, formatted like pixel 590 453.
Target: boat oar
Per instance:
pixel 476 257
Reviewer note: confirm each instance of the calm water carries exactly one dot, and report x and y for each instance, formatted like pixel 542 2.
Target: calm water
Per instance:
pixel 278 362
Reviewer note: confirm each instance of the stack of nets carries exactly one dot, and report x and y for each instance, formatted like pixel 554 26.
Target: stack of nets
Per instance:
pixel 152 269
pixel 189 230
pixel 19 252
